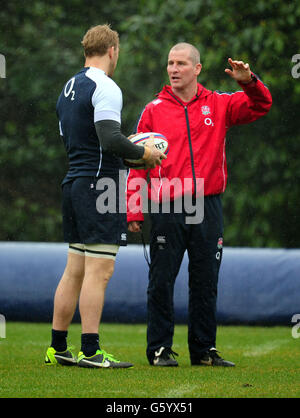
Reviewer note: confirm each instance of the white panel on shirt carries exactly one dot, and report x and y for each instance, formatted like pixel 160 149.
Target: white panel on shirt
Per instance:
pixel 107 98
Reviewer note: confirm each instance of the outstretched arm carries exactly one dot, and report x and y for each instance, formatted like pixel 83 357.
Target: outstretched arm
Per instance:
pixel 252 102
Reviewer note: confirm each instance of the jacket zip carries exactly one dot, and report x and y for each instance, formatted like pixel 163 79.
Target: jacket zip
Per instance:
pixel 189 136
pixel 191 148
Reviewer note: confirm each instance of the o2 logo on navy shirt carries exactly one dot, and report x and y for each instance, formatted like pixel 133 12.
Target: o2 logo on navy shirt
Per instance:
pixel 68 90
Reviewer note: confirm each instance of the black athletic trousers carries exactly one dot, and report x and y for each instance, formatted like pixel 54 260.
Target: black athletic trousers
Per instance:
pixel 170 238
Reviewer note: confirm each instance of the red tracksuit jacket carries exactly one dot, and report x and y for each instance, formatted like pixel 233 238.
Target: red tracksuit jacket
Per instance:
pixel 196 133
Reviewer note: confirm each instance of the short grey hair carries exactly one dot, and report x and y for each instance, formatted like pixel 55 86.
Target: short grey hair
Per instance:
pixel 194 53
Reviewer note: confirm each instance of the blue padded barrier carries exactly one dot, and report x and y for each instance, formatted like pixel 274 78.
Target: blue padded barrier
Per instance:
pixel 255 286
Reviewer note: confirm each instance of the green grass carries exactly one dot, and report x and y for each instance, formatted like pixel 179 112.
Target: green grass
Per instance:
pixel 267 365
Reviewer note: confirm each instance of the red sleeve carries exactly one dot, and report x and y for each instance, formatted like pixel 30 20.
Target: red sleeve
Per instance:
pixel 136 190
pixel 137 179
pixel 250 104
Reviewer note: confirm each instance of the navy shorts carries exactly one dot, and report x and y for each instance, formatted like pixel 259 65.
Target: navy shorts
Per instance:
pixel 83 218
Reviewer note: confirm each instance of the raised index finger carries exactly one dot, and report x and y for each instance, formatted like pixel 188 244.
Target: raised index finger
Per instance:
pixel 232 63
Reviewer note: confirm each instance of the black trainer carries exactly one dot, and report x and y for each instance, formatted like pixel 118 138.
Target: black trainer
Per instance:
pixel 162 357
pixel 211 358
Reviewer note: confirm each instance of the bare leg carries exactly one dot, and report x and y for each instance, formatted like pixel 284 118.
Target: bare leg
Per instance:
pixel 67 292
pixel 98 271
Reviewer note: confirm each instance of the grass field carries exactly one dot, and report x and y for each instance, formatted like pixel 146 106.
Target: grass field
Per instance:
pixel 267 365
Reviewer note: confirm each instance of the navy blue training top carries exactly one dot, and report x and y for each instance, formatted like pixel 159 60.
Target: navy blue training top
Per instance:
pixel 88 97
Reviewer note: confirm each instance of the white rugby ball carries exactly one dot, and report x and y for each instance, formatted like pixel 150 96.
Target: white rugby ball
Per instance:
pixel 160 141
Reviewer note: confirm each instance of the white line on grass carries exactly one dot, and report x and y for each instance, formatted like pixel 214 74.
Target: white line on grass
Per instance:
pixel 180 391
pixel 263 349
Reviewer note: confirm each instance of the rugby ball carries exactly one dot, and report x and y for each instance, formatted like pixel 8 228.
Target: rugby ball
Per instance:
pixel 160 141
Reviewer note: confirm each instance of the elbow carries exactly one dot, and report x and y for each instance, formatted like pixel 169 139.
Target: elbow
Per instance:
pixel 270 102
pixel 267 104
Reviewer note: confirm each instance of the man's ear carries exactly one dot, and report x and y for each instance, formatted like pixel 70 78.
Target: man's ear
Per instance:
pixel 111 51
pixel 198 68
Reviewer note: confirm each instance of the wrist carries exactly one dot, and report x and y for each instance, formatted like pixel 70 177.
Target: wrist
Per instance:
pixel 147 153
pixel 250 80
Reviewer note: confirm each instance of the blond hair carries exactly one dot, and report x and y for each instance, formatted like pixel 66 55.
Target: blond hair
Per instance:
pixel 98 39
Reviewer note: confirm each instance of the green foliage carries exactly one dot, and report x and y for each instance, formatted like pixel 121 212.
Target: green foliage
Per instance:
pixel 41 43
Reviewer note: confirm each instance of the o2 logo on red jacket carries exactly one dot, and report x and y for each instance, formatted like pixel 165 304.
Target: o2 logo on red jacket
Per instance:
pixel 206 111
pixel 208 122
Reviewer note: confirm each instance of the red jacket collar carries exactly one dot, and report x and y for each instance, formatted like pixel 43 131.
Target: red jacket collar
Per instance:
pixel 167 93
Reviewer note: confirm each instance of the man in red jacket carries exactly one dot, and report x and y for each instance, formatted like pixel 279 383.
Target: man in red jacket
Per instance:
pixel 195 122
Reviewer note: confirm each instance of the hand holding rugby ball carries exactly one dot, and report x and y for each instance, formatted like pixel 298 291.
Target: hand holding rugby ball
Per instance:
pixel 150 140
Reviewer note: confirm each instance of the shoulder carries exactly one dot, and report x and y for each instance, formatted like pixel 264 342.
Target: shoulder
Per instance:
pixel 106 90
pixel 156 105
pixel 102 81
pixel 157 101
pixel 226 93
pixel 152 108
pixel 226 97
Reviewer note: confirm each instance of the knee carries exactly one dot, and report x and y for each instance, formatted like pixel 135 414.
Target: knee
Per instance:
pixel 99 270
pixel 74 274
pixel 107 274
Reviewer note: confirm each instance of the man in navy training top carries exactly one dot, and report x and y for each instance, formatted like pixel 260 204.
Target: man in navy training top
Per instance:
pixel 89 112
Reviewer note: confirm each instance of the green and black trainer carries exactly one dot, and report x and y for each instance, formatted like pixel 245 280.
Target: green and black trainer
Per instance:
pixel 65 358
pixel 101 360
